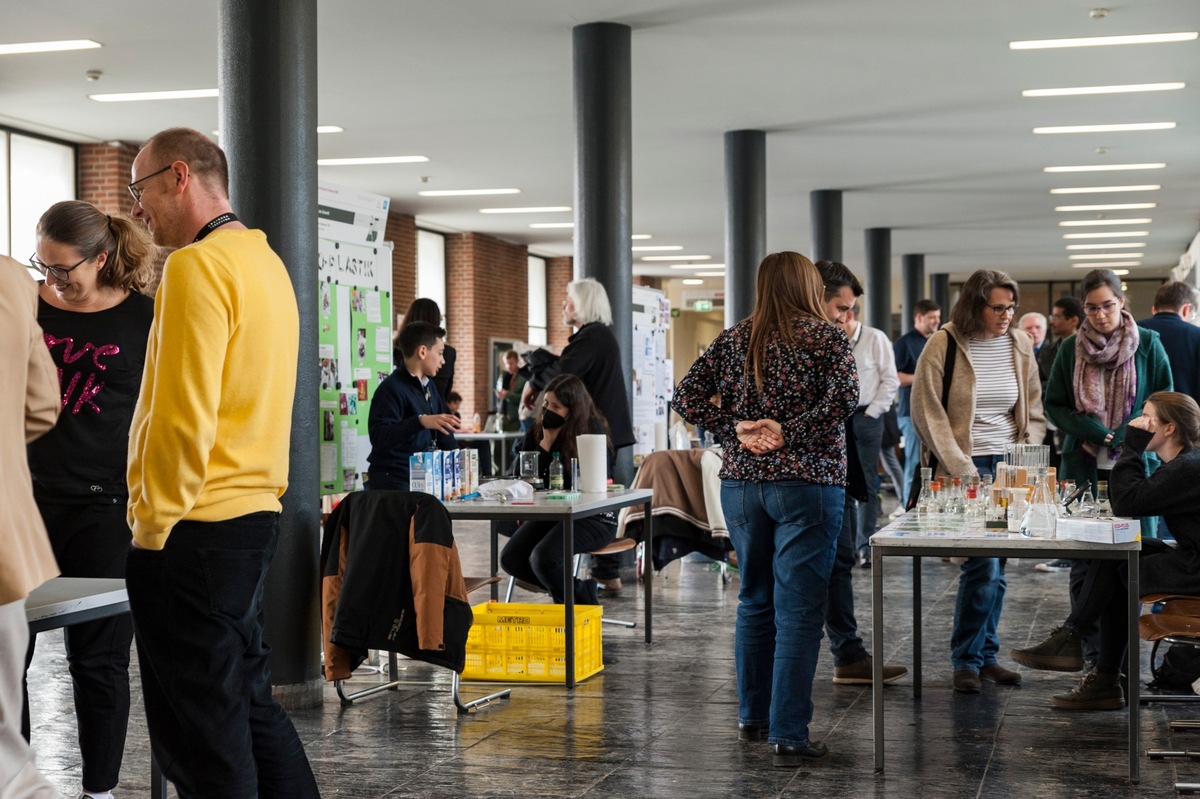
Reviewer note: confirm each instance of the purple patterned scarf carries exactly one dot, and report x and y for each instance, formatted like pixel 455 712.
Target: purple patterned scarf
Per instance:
pixel 1105 375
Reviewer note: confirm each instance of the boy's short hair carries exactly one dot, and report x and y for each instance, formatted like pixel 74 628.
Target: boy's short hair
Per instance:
pixel 419 334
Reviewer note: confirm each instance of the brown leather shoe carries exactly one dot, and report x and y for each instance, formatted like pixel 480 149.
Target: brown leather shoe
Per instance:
pixel 967 682
pixel 994 672
pixel 859 673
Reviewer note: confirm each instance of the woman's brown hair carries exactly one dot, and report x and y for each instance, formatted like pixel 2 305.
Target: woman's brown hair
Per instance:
pixel 90 231
pixel 1180 410
pixel 967 314
pixel 788 284
pixel 570 391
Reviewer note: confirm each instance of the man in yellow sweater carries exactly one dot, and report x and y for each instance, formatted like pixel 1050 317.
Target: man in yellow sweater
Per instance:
pixel 208 462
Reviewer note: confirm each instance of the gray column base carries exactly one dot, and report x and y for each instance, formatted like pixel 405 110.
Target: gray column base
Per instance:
pixel 298 696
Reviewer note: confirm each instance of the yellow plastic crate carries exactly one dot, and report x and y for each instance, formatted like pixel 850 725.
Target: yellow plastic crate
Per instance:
pixel 513 642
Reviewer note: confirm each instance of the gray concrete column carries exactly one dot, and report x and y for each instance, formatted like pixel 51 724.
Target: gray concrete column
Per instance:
pixel 267 75
pixel 826 210
pixel 879 278
pixel 745 219
pixel 604 179
pixel 939 292
pixel 913 271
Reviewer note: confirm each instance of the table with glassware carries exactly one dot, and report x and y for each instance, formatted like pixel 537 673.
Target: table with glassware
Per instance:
pixel 942 535
pixel 505 440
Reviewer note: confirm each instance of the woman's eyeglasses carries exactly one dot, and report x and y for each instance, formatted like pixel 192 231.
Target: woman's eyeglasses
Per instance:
pixel 59 273
pixel 1104 308
pixel 1001 310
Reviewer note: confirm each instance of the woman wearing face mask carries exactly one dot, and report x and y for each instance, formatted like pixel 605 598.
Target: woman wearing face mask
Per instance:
pixel 534 553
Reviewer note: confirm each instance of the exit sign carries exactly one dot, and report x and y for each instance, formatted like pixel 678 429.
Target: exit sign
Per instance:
pixel 702 305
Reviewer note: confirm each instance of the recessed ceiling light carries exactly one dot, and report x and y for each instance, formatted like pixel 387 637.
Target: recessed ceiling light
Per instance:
pixel 381 159
pixel 1107 264
pixel 1089 222
pixel 330 129
pixel 641 236
pixel 133 97
pixel 544 225
pixel 695 266
pixel 1102 41
pixel 466 192
pixel 1108 234
pixel 1106 189
pixel 1108 245
pixel 1114 128
pixel 1122 273
pixel 1102 167
pixel 691 281
pixel 1106 207
pixel 658 248
pixel 1095 256
pixel 48 47
pixel 545 209
pixel 676 257
pixel 1131 87
pixel 710 274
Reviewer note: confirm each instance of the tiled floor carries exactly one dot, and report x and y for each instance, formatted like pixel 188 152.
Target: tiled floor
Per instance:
pixel 660 720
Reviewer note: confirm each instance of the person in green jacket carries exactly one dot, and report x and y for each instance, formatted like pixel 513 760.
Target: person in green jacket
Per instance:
pixel 1101 378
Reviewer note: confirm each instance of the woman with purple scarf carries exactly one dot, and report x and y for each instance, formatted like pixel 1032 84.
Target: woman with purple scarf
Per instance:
pixel 1101 378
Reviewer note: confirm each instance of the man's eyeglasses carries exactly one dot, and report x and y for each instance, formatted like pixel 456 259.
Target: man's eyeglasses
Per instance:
pixel 136 191
pixel 1001 310
pixel 59 273
pixel 1104 308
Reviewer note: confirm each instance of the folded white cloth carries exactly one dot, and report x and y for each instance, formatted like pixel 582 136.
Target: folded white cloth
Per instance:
pixel 506 490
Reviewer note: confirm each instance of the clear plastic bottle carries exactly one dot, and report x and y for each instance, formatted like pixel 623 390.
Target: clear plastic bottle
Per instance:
pixel 556 473
pixel 1103 506
pixel 1017 505
pixel 955 503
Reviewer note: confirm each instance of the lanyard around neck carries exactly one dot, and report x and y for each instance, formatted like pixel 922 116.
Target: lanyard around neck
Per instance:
pixel 223 219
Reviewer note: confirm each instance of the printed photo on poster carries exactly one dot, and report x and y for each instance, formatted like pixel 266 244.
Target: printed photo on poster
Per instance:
pixel 343 404
pixel 362 343
pixel 328 427
pixel 362 389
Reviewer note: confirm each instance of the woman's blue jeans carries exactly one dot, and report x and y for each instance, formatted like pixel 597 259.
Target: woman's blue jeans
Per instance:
pixel 981 588
pixel 785 534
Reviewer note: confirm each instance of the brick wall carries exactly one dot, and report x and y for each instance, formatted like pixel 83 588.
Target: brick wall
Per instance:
pixel 487 296
pixel 559 272
pixel 402 232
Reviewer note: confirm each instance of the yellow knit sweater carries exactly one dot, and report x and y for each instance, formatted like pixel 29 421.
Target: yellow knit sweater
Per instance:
pixel 210 435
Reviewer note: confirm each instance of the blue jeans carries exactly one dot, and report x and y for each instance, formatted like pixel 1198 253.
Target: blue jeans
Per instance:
pixel 840 623
pixel 912 456
pixel 981 588
pixel 785 534
pixel 868 433
pixel 197 615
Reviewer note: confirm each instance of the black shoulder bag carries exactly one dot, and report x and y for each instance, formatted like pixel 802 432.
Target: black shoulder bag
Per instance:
pixel 947 378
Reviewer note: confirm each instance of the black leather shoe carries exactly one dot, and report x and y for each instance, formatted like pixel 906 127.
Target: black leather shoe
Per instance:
pixel 751 732
pixel 793 756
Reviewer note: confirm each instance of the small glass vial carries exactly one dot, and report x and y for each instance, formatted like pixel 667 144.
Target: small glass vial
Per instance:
pixel 1103 506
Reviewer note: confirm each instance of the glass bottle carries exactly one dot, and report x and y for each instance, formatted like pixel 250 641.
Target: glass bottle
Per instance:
pixel 1041 516
pixel 956 498
pixel 936 502
pixel 556 473
pixel 1087 503
pixel 922 505
pixel 1103 506
pixel 1017 505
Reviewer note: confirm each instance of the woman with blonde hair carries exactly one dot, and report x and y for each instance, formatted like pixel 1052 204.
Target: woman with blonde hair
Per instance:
pixel 96 315
pixel 787 383
pixel 1168 429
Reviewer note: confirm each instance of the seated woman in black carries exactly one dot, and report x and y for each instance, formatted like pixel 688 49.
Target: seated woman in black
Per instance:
pixel 535 552
pixel 1170 428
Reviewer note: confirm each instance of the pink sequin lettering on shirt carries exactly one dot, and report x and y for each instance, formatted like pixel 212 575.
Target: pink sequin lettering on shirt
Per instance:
pixel 92 385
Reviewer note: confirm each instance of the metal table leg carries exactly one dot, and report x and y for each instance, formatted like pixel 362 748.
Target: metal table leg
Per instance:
pixel 569 597
pixel 877 652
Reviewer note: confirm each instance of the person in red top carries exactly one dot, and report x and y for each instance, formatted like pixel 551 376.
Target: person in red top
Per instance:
pixel 787 383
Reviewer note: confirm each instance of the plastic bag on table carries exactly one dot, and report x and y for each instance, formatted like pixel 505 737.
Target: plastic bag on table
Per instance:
pixel 506 490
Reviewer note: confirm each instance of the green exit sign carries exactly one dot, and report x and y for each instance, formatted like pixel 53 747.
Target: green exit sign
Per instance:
pixel 702 305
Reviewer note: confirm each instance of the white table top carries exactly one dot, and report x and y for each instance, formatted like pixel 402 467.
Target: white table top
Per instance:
pixel 515 434
pixel 950 533
pixel 65 596
pixel 584 505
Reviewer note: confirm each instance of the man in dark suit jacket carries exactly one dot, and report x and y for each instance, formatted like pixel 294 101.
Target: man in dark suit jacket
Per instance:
pixel 1174 306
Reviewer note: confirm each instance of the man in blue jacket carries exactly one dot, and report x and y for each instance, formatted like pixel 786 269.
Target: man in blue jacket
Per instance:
pixel 1174 306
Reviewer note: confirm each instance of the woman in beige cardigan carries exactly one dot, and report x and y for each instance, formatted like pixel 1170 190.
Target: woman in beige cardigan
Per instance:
pixel 995 398
pixel 29 406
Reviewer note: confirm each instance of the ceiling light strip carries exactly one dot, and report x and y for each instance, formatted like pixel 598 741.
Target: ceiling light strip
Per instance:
pixel 541 209
pixel 1104 41
pixel 465 192
pixel 135 97
pixel 20 48
pixel 1108 234
pixel 1095 256
pixel 1107 264
pixel 1108 245
pixel 1107 189
pixel 1107 207
pixel 1127 88
pixel 373 160
pixel 1122 127
pixel 1089 222
pixel 1103 167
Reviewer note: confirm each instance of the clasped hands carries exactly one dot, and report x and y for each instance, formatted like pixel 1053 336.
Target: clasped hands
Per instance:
pixel 1094 450
pixel 761 436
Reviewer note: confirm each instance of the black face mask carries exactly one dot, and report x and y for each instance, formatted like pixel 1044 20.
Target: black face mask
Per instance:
pixel 552 420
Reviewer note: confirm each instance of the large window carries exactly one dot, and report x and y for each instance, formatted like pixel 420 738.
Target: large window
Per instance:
pixel 36 173
pixel 431 267
pixel 537 300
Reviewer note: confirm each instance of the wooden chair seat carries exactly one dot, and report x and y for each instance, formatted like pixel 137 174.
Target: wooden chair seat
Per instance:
pixel 615 546
pixel 1153 626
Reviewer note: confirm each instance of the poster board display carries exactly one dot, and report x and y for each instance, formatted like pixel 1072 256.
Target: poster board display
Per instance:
pixel 651 378
pixel 355 330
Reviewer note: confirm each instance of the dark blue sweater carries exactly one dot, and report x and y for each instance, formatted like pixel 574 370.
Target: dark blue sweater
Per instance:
pixel 1181 340
pixel 394 426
